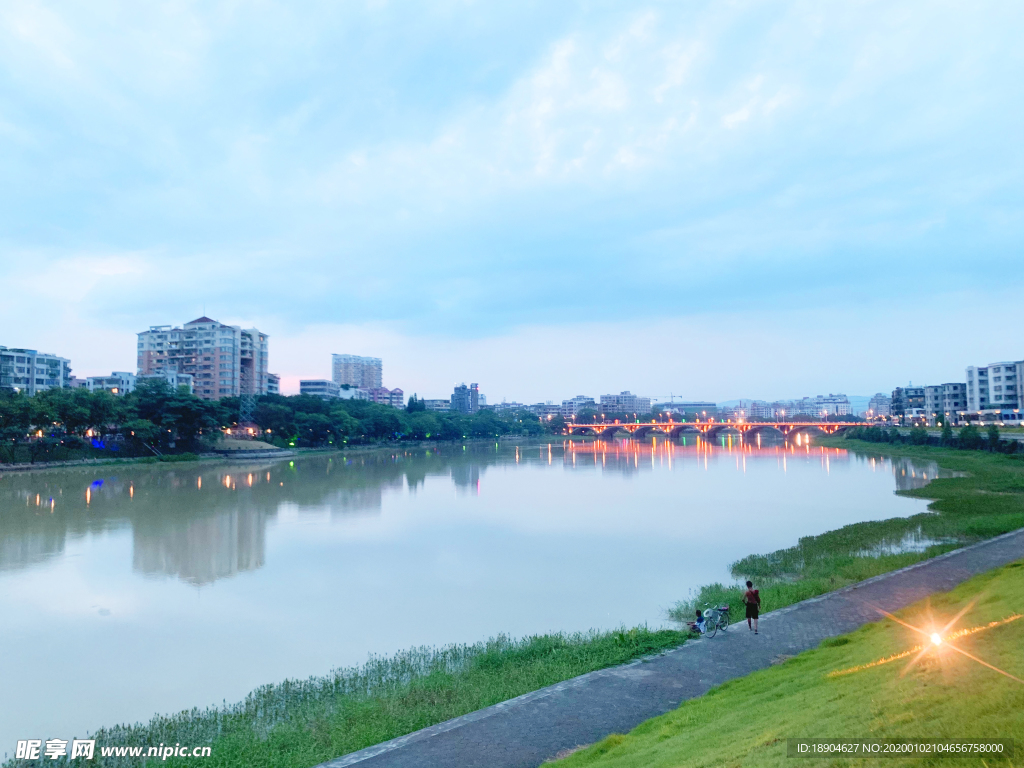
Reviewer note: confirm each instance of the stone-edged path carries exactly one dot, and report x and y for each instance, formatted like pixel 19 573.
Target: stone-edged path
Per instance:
pixel 525 731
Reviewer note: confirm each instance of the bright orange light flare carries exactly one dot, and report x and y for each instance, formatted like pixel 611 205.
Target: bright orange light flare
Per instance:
pixel 936 640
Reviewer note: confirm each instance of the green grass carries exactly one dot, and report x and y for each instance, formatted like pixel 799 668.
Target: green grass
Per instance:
pixel 986 502
pixel 302 723
pixel 746 722
pixel 305 722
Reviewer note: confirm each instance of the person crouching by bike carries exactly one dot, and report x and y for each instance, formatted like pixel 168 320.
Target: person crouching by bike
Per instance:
pixel 752 599
pixel 698 625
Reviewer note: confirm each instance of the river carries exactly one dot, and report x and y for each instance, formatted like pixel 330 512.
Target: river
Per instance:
pixel 138 589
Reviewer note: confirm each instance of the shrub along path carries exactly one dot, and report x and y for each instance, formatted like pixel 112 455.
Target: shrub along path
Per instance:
pixel 533 728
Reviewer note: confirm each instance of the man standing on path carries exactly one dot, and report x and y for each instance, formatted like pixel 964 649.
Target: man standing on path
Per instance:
pixel 752 599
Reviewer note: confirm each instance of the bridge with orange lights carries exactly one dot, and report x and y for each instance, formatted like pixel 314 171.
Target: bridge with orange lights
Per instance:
pixel 707 429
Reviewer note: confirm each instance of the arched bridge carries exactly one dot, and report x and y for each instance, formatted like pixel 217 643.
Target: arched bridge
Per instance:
pixel 707 429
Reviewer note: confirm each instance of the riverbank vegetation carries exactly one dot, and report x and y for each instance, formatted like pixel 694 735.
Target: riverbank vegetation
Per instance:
pixel 985 501
pixel 301 723
pixel 156 420
pixel 747 721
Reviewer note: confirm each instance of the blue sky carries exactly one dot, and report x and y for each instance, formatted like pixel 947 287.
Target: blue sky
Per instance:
pixel 718 200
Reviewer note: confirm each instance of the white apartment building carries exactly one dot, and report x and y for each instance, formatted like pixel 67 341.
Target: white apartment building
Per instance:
pixel 571 408
pixel 441 406
pixel 625 402
pixel 273 384
pixel 319 388
pixel 118 383
pixel 356 371
pixel 995 386
pixel 545 410
pixel 26 370
pixel 833 405
pixel 224 360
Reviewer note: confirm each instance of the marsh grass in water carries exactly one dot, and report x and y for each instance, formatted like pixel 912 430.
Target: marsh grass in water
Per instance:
pixel 304 722
pixel 985 500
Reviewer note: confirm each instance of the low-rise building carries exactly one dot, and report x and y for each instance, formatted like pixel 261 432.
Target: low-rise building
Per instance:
pixel 626 402
pixel 833 405
pixel 879 405
pixel 393 397
pixel 697 409
pixel 353 393
pixel 173 379
pixel 29 371
pixel 906 399
pixel 324 388
pixel 544 410
pixel 571 408
pixel 439 406
pixel 117 383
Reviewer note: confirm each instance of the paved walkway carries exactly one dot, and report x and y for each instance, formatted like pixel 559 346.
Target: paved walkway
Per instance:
pixel 526 731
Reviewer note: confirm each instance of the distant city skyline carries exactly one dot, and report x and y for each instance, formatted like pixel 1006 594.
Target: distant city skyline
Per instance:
pixel 715 200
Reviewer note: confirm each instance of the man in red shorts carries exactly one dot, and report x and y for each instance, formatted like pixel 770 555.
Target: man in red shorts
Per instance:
pixel 752 599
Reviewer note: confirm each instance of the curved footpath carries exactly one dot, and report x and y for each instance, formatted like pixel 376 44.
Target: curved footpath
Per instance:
pixel 525 731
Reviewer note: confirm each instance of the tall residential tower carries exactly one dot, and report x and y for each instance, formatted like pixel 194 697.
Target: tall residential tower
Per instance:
pixel 224 360
pixel 356 371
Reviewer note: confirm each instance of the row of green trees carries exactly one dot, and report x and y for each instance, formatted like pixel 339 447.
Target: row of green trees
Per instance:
pixel 155 419
pixel 311 421
pixel 58 424
pixel 968 438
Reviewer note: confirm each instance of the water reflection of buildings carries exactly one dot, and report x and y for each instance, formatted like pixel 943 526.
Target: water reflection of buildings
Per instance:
pixel 204 523
pixel 630 456
pixel 201 550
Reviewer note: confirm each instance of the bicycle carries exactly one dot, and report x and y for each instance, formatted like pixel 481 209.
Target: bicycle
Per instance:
pixel 715 618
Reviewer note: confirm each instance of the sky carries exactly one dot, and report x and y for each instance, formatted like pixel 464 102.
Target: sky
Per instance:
pixel 708 200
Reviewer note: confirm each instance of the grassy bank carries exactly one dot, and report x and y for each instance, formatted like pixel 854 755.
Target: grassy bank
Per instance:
pixel 987 501
pixel 304 722
pixel 301 723
pixel 747 721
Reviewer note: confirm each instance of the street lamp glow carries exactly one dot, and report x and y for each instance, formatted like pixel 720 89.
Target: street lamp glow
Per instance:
pixel 936 638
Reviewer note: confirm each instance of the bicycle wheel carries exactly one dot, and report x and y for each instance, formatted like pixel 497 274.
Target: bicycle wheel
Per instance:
pixel 725 621
pixel 713 625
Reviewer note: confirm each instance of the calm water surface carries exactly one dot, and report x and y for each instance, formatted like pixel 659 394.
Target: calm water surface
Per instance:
pixel 131 591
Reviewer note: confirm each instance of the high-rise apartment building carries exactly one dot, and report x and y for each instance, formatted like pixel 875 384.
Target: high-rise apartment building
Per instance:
pixel 997 385
pixel 356 371
pixel 223 360
pixel 466 399
pixel 28 371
